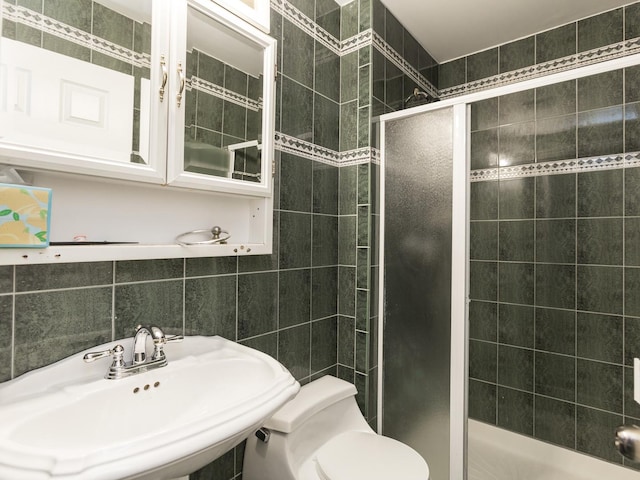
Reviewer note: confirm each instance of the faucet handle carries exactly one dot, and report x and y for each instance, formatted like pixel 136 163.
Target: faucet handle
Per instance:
pixel 159 343
pixel 174 338
pixel 116 352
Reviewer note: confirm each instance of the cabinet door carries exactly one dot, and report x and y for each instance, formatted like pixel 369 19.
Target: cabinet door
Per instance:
pixel 221 111
pixel 80 86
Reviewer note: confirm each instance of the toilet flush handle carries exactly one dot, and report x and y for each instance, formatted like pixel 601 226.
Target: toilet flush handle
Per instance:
pixel 263 434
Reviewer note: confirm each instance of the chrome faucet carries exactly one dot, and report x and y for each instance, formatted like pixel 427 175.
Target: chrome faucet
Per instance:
pixel 120 368
pixel 140 343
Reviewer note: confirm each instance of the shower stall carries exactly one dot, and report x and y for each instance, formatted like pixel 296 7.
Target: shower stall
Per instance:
pixel 509 288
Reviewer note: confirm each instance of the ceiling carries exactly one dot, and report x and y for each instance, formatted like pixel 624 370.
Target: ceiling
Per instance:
pixel 449 29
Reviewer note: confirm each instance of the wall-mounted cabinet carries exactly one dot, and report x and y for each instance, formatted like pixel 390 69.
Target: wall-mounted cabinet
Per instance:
pixel 174 93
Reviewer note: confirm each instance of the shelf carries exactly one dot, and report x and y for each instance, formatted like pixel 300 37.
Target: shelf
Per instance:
pixel 98 253
pixel 149 216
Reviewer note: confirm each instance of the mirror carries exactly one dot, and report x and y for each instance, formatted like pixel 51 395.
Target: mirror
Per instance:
pixel 77 81
pixel 223 101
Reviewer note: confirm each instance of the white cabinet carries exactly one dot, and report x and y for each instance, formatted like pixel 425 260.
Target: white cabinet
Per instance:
pixel 176 89
pixel 221 106
pixel 140 103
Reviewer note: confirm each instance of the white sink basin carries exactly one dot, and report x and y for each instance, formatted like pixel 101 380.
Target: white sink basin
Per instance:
pixel 65 421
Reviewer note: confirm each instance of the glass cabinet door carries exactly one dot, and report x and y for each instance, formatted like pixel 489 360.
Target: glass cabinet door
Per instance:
pixel 80 86
pixel 225 80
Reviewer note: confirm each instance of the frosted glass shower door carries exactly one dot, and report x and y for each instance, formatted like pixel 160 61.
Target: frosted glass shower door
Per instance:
pixel 421 252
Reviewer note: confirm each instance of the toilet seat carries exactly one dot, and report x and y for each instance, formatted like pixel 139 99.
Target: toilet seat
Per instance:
pixel 367 456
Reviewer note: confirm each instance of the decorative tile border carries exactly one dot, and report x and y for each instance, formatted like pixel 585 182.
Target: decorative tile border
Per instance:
pixel 356 42
pixel 587 164
pixel 376 155
pixel 205 86
pixel 52 26
pixel 358 156
pixel 305 149
pixel 305 24
pixel 351 44
pixel 597 55
pixel 302 148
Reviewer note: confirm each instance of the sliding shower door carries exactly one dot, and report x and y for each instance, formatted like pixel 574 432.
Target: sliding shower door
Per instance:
pixel 417 178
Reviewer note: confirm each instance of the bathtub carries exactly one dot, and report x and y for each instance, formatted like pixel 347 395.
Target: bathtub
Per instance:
pixel 496 454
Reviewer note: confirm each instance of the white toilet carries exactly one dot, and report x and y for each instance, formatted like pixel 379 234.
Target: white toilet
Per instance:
pixel 321 435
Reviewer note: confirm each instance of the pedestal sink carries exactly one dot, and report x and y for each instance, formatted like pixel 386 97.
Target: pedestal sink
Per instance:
pixel 65 421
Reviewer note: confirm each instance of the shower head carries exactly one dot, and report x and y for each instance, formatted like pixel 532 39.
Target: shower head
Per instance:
pixel 418 96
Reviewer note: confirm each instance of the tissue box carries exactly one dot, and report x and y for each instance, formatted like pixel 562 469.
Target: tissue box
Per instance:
pixel 25 214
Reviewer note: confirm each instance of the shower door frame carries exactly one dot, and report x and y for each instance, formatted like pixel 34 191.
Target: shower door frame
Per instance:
pixel 460 241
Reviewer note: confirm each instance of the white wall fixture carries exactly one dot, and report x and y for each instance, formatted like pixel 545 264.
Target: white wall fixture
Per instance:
pixel 195 423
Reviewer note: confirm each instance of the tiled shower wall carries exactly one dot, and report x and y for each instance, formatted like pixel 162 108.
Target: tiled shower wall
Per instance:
pixel 392 84
pixel 554 316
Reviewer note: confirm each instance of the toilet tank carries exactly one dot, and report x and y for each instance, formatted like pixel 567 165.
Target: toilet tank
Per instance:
pixel 322 410
pixel 312 399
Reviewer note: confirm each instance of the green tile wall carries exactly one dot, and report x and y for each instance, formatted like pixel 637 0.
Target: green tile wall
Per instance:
pixel 391 85
pixel 554 266
pixel 553 317
pixel 600 30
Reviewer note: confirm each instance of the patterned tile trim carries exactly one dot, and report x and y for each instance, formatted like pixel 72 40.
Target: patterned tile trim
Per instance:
pixel 52 26
pixel 356 42
pixel 587 164
pixel 357 156
pixel 305 24
pixel 375 156
pixel 205 86
pixel 302 148
pixel 597 55
pixel 351 44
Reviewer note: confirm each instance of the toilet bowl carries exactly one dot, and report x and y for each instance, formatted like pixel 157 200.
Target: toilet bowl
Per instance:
pixel 321 435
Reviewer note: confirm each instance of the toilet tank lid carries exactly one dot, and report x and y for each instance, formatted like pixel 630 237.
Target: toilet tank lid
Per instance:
pixel 312 398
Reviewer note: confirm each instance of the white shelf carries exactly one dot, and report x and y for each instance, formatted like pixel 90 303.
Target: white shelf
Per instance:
pixel 98 253
pixel 152 216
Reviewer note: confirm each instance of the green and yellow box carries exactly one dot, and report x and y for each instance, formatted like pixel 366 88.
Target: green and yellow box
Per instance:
pixel 25 216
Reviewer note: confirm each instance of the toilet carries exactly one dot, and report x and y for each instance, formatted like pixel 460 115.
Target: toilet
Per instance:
pixel 321 435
